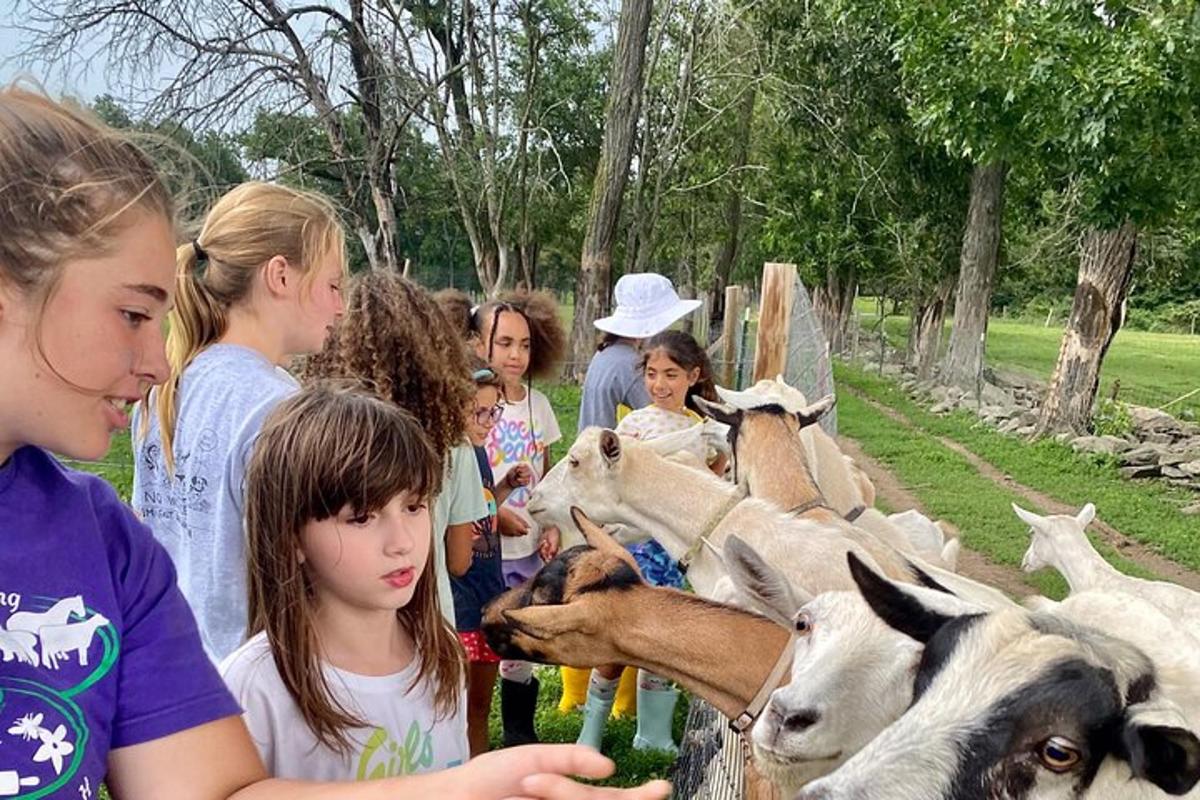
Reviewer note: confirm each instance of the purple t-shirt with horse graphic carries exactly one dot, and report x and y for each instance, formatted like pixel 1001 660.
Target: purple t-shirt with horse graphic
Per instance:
pixel 98 649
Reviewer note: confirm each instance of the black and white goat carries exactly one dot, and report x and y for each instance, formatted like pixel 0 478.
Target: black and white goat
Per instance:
pixel 1019 705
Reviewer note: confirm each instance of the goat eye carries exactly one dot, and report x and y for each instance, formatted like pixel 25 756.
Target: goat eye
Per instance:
pixel 1058 754
pixel 804 623
pixel 573 462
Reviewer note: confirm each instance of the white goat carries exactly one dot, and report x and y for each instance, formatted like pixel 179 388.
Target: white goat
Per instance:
pixel 1017 705
pixel 845 487
pixel 851 676
pixel 621 481
pixel 1059 541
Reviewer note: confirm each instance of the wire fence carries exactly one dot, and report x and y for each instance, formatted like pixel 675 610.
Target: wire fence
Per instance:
pixel 712 757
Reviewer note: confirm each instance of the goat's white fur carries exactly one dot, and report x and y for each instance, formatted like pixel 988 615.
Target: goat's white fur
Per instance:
pixel 1059 541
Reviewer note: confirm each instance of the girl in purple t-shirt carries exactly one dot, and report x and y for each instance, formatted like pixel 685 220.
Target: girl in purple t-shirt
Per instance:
pixel 103 677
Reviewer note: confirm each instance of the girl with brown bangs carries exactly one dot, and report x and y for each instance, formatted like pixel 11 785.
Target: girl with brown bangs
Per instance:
pixel 87 274
pixel 351 672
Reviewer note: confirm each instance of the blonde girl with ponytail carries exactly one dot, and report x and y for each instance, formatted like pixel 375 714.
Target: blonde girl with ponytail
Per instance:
pixel 259 285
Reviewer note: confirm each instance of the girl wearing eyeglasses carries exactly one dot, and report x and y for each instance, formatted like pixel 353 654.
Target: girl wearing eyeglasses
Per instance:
pixel 473 555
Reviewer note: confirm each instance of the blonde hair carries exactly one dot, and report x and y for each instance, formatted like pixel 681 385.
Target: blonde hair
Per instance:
pixel 67 182
pixel 321 450
pixel 247 227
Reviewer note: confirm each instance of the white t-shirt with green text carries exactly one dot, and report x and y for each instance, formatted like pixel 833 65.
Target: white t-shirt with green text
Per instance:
pixel 403 735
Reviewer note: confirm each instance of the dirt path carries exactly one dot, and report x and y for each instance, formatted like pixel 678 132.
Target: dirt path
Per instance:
pixel 896 496
pixel 1128 547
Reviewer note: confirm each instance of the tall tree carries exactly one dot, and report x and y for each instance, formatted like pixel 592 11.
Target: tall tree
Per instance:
pixel 612 172
pixel 1133 144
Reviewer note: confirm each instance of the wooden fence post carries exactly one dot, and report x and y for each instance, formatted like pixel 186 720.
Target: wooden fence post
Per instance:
pixel 774 319
pixel 730 328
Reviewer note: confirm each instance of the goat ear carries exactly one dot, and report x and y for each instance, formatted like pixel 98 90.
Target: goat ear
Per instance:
pixel 546 622
pixel 769 591
pixel 598 538
pixel 1029 518
pixel 1166 755
pixel 610 447
pixel 813 413
pixel 897 608
pixel 1086 515
pixel 721 412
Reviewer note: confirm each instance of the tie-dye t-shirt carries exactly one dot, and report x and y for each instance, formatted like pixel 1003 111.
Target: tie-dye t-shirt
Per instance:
pixel 98 649
pixel 523 435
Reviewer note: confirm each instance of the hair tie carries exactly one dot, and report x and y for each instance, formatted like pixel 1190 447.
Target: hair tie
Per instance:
pixel 483 374
pixel 201 255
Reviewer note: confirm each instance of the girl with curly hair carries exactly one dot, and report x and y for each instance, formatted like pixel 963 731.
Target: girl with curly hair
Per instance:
pixel 520 337
pixel 395 339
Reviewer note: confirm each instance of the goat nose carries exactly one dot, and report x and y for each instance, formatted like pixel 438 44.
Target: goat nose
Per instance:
pixel 801 720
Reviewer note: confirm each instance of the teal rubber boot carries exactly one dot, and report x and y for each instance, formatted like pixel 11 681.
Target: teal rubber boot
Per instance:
pixel 595 718
pixel 656 711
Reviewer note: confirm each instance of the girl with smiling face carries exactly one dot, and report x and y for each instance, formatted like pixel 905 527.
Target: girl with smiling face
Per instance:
pixel 675 369
pixel 87 273
pixel 259 285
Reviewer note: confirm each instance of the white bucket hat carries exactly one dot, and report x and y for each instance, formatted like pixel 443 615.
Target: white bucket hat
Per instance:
pixel 646 304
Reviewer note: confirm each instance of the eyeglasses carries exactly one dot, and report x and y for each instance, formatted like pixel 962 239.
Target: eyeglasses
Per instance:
pixel 489 416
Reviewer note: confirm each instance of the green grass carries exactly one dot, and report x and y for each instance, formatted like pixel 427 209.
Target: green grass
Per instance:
pixel 952 487
pixel 1154 368
pixel 633 766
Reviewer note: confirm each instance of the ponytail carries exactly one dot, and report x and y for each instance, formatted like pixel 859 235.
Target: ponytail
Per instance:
pixel 246 228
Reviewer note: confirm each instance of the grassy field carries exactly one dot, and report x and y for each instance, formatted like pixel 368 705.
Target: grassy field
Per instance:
pixel 1154 368
pixel 951 487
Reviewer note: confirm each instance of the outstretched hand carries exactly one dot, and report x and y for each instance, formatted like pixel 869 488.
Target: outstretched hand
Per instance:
pixel 538 772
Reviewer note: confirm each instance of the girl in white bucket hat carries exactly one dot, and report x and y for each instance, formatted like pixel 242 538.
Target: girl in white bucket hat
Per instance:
pixel 646 304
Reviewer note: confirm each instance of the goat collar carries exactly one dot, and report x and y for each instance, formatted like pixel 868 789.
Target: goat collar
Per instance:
pixel 744 720
pixel 702 540
pixel 805 507
pixel 854 513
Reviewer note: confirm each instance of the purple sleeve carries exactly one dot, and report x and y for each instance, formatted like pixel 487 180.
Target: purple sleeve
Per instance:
pixel 166 682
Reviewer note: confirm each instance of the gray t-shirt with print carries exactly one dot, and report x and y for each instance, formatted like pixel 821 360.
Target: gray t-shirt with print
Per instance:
pixel 196 512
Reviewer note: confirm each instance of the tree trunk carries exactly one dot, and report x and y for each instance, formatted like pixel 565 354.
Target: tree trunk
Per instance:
pixel 612 171
pixel 834 303
pixel 925 332
pixel 727 255
pixel 980 254
pixel 1105 270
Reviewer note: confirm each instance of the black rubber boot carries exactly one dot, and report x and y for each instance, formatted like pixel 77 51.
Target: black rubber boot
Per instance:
pixel 517 704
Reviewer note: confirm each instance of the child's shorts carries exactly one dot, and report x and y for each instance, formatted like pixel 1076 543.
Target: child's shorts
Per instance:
pixel 478 651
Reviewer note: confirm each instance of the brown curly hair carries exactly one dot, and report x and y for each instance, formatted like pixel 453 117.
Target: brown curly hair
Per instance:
pixel 455 304
pixel 540 310
pixel 394 338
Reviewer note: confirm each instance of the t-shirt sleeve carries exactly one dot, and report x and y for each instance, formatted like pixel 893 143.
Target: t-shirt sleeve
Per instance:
pixel 466 488
pixel 546 422
pixel 166 682
pixel 253 684
pixel 244 440
pixel 636 395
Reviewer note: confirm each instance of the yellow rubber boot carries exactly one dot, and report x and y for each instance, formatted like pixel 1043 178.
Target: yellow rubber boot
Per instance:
pixel 626 703
pixel 574 688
